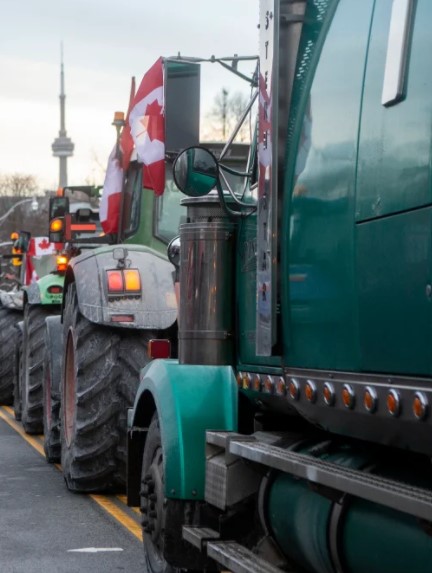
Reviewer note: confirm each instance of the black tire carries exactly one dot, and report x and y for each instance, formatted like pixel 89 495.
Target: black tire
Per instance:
pixel 8 341
pixel 51 388
pixel 98 365
pixel 162 518
pixel 17 402
pixel 32 371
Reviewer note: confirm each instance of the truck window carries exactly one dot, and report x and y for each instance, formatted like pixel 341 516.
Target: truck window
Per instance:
pixel 132 199
pixel 168 211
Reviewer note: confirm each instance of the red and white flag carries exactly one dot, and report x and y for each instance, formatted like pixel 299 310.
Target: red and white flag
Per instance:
pixel 109 208
pixel 41 246
pixel 147 125
pixel 118 162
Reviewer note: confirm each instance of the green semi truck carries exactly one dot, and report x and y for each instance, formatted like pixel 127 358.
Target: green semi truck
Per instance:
pixel 293 432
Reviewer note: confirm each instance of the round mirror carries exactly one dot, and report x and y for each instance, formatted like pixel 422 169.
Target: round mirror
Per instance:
pixel 195 171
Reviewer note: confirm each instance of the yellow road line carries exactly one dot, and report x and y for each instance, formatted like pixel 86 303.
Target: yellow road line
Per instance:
pixel 32 440
pixel 123 499
pixel 110 507
pixel 118 514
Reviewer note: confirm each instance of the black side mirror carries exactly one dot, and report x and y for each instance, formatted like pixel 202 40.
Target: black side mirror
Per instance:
pixel 196 171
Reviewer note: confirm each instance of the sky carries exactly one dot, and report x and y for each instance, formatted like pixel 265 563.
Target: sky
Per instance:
pixel 105 43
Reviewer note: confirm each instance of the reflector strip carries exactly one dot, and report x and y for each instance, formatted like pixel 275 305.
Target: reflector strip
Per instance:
pixel 122 318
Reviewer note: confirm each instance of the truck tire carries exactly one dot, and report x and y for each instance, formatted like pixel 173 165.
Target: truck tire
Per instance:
pixel 100 376
pixel 162 518
pixel 51 388
pixel 8 341
pixel 17 402
pixel 32 371
pixel 132 357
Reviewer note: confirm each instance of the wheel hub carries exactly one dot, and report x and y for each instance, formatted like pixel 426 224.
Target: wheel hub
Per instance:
pixel 152 505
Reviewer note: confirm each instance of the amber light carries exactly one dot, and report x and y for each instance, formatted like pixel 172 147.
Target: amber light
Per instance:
pixel 370 399
pixel 294 389
pixel 310 391
pixel 115 281
pixel 132 280
pixel 393 403
pixel 246 382
pixel 268 385
pixel 14 236
pixel 62 262
pixel 420 406
pixel 239 379
pixel 348 396
pixel 281 387
pixel 257 383
pixel 329 394
pixel 56 225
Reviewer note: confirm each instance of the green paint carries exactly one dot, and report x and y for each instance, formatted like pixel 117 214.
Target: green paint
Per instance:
pixel 53 279
pixel 189 400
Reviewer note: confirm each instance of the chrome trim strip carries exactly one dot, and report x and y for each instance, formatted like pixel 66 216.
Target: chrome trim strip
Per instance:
pixel 397 52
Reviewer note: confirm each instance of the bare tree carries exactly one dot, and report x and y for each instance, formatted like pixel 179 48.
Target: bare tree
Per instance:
pixel 226 112
pixel 18 185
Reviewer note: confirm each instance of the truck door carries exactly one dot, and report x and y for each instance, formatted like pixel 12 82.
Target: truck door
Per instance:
pixel 393 193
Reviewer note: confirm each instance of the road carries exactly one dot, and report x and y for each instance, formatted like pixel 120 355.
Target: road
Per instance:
pixel 46 529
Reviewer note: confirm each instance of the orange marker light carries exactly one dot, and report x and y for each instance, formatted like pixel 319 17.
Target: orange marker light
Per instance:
pixel 14 236
pixel 132 280
pixel 348 396
pixel 281 387
pixel 393 403
pixel 61 262
pixel 310 391
pixel 115 282
pixel 329 394
pixel 257 383
pixel 420 406
pixel 294 389
pixel 370 399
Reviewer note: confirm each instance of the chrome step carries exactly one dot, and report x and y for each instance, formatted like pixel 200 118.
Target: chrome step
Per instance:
pixel 408 499
pixel 229 554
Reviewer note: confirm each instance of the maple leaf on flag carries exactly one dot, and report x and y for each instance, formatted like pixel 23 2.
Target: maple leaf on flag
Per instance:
pixel 147 125
pixel 44 244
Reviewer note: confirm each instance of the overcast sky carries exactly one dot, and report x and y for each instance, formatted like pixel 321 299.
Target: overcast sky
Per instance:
pixel 105 43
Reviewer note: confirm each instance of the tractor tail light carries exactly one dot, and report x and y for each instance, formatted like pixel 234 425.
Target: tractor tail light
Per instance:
pixel 115 282
pixel 55 289
pixel 132 280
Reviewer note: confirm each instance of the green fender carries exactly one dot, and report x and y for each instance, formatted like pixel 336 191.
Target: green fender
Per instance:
pixel 189 400
pixel 37 293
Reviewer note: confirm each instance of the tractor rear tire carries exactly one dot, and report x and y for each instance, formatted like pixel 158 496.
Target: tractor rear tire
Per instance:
pixel 32 371
pixel 8 341
pixel 100 376
pixel 17 402
pixel 51 388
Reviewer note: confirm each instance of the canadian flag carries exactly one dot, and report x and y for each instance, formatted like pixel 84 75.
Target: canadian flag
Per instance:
pixel 41 246
pixel 118 162
pixel 147 125
pixel 109 208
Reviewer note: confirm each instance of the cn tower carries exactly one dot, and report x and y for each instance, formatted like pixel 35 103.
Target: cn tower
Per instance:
pixel 62 146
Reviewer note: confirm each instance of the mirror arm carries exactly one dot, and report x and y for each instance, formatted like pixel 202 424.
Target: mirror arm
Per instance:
pixel 230 212
pixel 238 126
pixel 252 81
pixel 247 174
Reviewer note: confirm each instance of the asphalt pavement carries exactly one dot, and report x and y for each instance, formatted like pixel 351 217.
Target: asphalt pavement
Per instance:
pixel 46 529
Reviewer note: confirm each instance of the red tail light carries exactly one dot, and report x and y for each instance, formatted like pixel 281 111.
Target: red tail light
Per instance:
pixel 115 282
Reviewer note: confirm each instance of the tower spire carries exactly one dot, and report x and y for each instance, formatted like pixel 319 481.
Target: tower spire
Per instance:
pixel 62 146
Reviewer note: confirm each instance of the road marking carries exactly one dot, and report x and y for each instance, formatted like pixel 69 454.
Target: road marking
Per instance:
pixel 37 443
pixel 118 514
pixel 94 549
pixel 32 440
pixel 123 499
